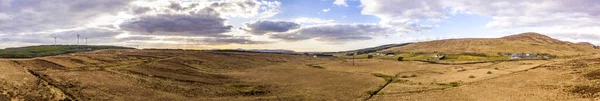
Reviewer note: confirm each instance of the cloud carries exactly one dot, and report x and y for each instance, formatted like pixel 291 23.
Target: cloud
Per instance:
pixel 205 22
pixel 246 8
pixel 312 20
pixel 505 13
pixel 340 3
pixel 399 12
pixel 267 26
pixel 326 10
pixel 334 33
pixel 215 41
pixel 20 16
pixel 516 13
pixel 94 35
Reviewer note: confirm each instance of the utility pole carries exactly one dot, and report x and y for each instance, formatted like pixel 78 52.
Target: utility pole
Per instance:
pixel 353 59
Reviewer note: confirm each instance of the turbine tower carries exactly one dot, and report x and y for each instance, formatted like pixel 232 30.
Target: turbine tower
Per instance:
pixel 77 39
pixel 86 41
pixel 54 41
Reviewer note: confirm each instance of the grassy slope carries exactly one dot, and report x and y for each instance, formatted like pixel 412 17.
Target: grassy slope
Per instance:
pixel 49 50
pixel 526 42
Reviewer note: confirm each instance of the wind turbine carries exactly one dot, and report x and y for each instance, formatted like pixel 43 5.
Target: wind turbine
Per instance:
pixel 77 39
pixel 54 41
pixel 86 41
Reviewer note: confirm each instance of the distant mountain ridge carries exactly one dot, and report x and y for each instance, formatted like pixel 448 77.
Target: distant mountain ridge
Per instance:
pixel 529 42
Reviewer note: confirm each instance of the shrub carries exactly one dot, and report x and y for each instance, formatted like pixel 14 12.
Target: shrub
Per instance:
pixel 489 72
pixel 400 58
pixel 471 76
pixel 414 75
pixel 451 84
pixel 404 76
pixel 370 56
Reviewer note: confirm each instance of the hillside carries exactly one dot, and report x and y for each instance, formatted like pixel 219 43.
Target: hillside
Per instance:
pixel 377 48
pixel 521 43
pixel 49 50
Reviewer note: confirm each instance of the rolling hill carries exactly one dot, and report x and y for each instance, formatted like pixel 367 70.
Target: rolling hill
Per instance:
pixel 529 42
pixel 376 48
pixel 49 50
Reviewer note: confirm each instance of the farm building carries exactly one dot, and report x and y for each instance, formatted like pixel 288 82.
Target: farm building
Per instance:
pixel 390 54
pixel 523 56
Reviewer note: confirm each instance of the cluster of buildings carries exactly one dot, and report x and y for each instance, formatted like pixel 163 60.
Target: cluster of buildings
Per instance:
pixel 515 56
pixel 383 54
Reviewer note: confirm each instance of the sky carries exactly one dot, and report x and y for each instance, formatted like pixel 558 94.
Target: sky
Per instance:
pixel 299 25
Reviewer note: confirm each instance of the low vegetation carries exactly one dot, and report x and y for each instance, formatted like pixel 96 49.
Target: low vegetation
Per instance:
pixel 451 84
pixel 585 91
pixel 593 74
pixel 384 76
pixel 49 50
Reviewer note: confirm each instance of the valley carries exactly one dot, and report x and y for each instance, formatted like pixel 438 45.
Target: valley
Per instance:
pixel 175 74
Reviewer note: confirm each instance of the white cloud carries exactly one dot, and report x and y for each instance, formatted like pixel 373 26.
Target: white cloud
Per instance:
pixel 247 8
pixel 340 3
pixel 312 20
pixel 326 10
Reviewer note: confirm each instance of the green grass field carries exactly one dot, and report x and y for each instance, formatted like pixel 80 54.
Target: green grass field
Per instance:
pixel 429 57
pixel 49 50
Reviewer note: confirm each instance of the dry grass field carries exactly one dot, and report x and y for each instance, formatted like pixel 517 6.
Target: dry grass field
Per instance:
pixel 203 75
pixel 177 75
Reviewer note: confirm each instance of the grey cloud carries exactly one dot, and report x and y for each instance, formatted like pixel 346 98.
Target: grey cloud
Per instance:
pixel 41 15
pixel 137 38
pixel 98 35
pixel 224 41
pixel 262 27
pixel 140 10
pixel 335 33
pixel 205 22
pixel 217 41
